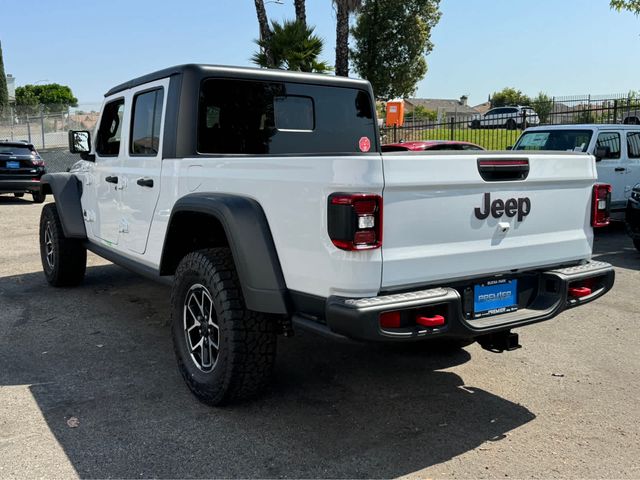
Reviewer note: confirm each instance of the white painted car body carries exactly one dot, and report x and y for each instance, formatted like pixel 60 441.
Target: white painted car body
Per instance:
pixel 507 117
pixel 621 170
pixel 430 234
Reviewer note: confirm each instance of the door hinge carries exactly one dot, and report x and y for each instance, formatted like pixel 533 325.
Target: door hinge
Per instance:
pixel 89 216
pixel 122 184
pixel 124 226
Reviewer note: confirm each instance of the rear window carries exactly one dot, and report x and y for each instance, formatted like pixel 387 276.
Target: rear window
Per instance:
pixel 16 150
pixel 633 144
pixel 563 140
pixel 394 148
pixel 255 117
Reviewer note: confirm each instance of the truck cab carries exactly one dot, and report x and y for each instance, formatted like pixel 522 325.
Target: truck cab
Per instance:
pixel 615 147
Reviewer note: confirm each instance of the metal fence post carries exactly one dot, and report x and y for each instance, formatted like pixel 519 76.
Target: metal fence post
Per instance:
pixel 42 124
pixel 28 128
pixel 395 133
pixel 452 127
pixel 12 119
pixel 615 111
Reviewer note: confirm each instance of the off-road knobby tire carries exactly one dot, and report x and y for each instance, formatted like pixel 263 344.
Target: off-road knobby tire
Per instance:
pixel 70 256
pixel 38 197
pixel 636 243
pixel 247 339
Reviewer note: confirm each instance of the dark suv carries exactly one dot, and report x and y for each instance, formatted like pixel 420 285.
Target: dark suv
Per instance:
pixel 20 170
pixel 633 216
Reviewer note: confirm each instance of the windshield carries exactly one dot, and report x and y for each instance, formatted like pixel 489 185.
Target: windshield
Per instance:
pixel 15 150
pixel 567 140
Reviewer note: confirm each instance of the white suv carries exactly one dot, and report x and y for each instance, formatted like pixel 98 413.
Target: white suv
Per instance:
pixel 507 117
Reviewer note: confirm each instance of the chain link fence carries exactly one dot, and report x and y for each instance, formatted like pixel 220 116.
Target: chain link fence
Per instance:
pixel 47 127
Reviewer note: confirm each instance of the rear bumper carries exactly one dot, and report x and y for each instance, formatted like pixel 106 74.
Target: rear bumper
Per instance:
pixel 547 295
pixel 19 186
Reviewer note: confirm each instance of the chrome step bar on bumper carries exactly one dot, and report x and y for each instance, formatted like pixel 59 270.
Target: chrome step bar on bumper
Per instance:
pixel 358 318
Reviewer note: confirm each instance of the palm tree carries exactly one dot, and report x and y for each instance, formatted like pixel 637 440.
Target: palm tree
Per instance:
pixel 301 11
pixel 293 46
pixel 265 31
pixel 344 9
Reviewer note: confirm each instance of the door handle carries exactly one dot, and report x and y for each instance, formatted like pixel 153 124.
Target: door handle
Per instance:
pixel 110 179
pixel 145 182
pixel 619 169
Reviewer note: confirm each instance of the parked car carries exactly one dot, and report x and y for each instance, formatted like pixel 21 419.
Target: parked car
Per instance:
pixel 632 218
pixel 631 116
pixel 21 168
pixel 616 148
pixel 264 199
pixel 506 117
pixel 421 146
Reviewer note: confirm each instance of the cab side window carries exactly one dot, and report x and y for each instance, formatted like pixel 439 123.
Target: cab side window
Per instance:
pixel 610 140
pixel 633 144
pixel 109 132
pixel 145 123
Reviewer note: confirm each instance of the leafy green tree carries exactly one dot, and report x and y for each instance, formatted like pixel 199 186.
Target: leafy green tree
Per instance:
pixel 4 92
pixel 293 46
pixel 630 5
pixel 54 97
pixel 543 106
pixel 509 96
pixel 585 116
pixel 422 113
pixel 392 39
pixel 344 8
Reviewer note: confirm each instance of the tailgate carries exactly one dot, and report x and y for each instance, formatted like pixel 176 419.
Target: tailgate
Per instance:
pixel 435 204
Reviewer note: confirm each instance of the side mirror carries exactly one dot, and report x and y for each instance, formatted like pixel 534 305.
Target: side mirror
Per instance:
pixel 602 152
pixel 79 141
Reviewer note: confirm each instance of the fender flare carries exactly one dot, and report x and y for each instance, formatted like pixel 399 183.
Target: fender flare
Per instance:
pixel 67 191
pixel 251 244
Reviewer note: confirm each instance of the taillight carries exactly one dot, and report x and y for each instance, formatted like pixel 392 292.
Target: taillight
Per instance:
pixel 355 220
pixel 37 161
pixel 601 208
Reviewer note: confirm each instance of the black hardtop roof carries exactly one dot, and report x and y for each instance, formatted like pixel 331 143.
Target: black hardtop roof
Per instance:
pixel 241 72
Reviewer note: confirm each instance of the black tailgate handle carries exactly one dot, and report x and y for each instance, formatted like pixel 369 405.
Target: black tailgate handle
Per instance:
pixel 503 169
pixel 111 179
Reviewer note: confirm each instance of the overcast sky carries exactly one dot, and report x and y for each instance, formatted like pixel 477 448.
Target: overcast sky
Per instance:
pixel 562 47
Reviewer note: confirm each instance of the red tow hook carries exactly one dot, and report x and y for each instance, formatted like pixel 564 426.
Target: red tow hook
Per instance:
pixel 435 321
pixel 579 292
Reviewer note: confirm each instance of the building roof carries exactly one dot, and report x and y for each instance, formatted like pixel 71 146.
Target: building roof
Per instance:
pixel 439 104
pixel 483 107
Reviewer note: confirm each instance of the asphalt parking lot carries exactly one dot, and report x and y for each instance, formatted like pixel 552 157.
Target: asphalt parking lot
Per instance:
pixel 89 388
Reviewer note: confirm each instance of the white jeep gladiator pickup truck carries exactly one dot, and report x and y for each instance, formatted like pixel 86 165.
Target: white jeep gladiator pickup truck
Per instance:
pixel 263 198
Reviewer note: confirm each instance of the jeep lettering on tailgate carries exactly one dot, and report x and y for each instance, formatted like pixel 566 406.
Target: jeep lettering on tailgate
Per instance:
pixel 498 208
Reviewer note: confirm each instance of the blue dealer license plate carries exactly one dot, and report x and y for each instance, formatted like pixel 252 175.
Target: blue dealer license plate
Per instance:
pixel 495 297
pixel 13 164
